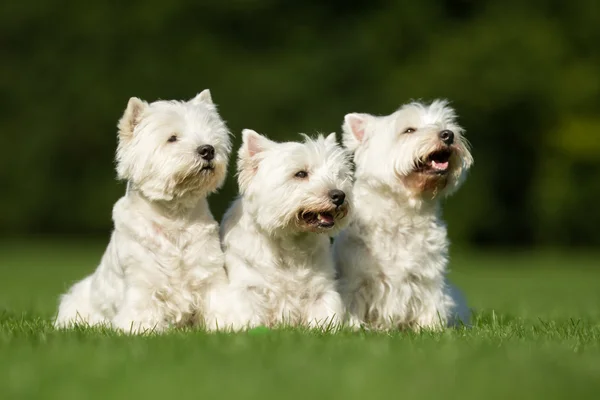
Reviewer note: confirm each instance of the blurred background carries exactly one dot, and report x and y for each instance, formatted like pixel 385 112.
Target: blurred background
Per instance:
pixel 523 76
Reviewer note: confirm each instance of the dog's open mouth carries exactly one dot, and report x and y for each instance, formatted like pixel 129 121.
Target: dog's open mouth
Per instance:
pixel 437 162
pixel 320 219
pixel 207 167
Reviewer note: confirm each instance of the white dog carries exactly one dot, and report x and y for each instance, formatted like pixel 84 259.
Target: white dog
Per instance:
pixel 164 251
pixel 392 259
pixel 276 235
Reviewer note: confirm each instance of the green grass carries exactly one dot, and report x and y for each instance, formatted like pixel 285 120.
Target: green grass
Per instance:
pixel 536 335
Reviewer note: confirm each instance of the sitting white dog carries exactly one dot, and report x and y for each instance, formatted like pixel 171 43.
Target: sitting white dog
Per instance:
pixel 276 235
pixel 392 259
pixel 164 252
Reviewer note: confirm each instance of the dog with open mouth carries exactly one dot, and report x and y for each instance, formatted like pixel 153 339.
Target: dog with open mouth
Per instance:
pixel 392 259
pixel 276 236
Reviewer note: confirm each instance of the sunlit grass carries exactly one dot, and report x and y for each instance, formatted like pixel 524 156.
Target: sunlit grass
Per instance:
pixel 535 334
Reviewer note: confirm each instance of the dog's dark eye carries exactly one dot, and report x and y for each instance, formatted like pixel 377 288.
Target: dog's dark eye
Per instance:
pixel 172 139
pixel 301 174
pixel 409 130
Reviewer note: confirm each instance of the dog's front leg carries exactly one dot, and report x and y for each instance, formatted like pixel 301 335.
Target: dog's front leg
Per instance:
pixel 326 313
pixel 139 313
pixel 434 314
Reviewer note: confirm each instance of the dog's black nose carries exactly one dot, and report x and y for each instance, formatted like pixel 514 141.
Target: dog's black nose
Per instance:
pixel 337 197
pixel 447 136
pixel 207 152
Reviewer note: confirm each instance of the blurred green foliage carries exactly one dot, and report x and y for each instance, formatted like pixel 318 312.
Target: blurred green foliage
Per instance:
pixel 523 76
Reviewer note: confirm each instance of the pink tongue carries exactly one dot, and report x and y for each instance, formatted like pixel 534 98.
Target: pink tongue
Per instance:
pixel 440 165
pixel 328 218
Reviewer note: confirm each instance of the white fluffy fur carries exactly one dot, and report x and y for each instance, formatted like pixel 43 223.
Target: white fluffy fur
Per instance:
pixel 281 270
pixel 164 251
pixel 393 257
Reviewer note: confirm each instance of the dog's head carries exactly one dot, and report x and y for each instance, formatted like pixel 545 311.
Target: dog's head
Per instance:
pixel 419 150
pixel 173 149
pixel 295 187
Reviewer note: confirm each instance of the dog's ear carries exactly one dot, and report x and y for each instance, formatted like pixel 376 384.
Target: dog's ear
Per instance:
pixel 204 97
pixel 254 143
pixel 331 140
pixel 249 156
pixel 354 129
pixel 131 117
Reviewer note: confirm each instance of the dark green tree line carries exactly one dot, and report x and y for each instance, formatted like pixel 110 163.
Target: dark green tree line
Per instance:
pixel 524 78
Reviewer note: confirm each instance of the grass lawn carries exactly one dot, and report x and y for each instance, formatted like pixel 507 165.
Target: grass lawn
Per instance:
pixel 536 335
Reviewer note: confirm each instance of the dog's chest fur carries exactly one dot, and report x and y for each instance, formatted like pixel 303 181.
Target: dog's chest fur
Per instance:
pixel 293 281
pixel 391 262
pixel 179 256
pixel 294 285
pixel 184 240
pixel 283 278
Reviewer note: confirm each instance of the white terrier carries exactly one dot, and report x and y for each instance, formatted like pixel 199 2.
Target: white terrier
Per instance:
pixel 276 235
pixel 164 252
pixel 392 259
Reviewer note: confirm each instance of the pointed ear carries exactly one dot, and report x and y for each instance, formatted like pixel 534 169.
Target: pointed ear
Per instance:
pixel 253 144
pixel 203 97
pixel 331 139
pixel 131 117
pixel 354 129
